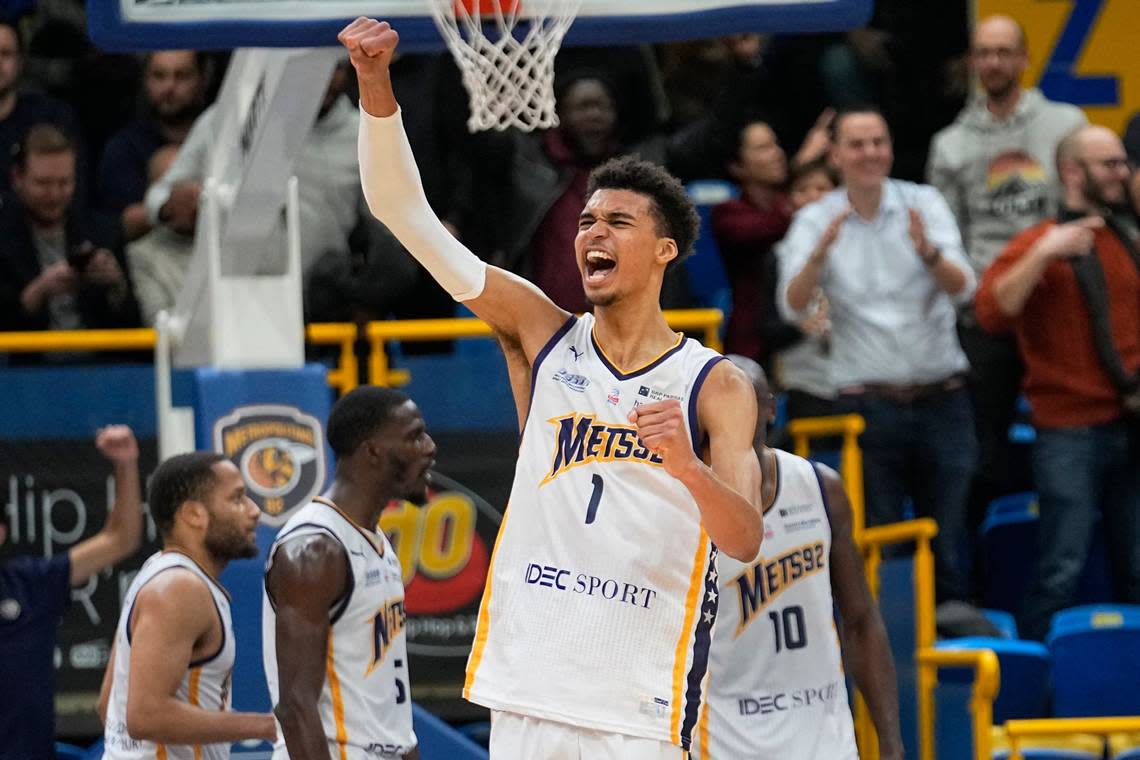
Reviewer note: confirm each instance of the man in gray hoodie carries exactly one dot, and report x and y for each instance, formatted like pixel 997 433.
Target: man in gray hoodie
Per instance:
pixel 995 165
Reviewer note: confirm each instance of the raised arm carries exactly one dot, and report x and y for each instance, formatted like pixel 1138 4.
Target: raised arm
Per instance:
pixel 305 581
pixel 512 306
pixel 727 489
pixel 868 650
pixel 170 628
pixel 121 535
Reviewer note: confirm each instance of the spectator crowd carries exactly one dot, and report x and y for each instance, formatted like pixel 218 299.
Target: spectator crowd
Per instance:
pixel 923 270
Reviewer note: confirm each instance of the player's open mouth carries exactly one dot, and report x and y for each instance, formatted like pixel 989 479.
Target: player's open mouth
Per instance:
pixel 599 266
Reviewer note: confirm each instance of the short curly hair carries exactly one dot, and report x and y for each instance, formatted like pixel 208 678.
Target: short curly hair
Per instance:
pixel 674 212
pixel 181 478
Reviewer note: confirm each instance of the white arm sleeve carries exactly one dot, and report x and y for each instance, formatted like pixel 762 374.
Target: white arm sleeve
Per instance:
pixel 395 196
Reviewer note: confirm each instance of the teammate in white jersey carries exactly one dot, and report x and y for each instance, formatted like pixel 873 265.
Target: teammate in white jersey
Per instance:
pixel 333 620
pixel 776 669
pixel 172 661
pixel 635 467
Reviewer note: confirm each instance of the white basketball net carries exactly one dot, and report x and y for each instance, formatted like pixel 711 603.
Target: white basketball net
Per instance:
pixel 507 58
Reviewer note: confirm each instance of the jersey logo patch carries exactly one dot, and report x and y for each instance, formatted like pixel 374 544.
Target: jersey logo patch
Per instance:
pixel 763 582
pixel 386 626
pixel 581 440
pixel 280 453
pixel 574 382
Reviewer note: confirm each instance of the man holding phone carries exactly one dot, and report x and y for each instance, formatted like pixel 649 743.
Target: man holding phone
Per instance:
pixel 57 271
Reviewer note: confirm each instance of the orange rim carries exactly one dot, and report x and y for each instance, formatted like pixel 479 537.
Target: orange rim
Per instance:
pixel 487 7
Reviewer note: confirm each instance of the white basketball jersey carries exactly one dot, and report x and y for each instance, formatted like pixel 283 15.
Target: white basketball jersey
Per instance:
pixel 600 598
pixel 776 683
pixel 207 682
pixel 366 703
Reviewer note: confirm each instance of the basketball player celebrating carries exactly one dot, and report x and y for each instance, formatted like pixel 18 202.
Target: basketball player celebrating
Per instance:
pixel 173 657
pixel 333 619
pixel 635 466
pixel 777 687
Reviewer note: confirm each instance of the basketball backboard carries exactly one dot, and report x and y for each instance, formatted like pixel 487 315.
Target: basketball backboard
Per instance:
pixel 213 24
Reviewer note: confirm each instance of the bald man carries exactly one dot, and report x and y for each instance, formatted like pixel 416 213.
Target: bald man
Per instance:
pixel 994 166
pixel 1068 289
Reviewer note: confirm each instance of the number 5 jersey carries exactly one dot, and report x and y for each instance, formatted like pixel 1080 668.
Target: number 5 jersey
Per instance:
pixel 602 590
pixel 365 704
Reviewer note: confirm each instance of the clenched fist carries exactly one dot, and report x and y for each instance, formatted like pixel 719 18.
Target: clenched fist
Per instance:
pixel 117 443
pixel 661 427
pixel 370 45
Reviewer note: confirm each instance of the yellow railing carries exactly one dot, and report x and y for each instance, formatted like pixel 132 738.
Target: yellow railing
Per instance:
pixel 987 683
pixel 48 341
pixel 345 375
pixel 379 334
pixel 1019 730
pixel 920 532
pixel 850 426
pixel 342 377
pixel 872 541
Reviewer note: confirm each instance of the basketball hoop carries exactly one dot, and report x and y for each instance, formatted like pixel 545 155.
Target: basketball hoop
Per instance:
pixel 506 55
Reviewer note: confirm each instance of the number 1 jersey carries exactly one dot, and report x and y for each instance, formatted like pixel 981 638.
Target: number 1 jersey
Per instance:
pixel 601 595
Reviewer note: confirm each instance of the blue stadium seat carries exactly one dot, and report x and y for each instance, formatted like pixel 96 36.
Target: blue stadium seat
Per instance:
pixel 1096 661
pixel 1025 675
pixel 708 282
pixel 95 751
pixel 1003 621
pixel 1009 550
pixel 439 741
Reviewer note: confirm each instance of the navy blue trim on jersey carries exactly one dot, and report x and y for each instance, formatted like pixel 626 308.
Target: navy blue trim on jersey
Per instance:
pixel 338 611
pixel 541 356
pixel 131 611
pixel 701 641
pixel 217 609
pixel 221 646
pixel 822 492
pixel 694 427
pixel 617 373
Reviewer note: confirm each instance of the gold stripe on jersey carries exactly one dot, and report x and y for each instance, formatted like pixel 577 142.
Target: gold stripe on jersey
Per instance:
pixel 703 730
pixel 337 703
pixel 160 752
pixel 192 694
pixel 624 371
pixel 480 643
pixel 684 643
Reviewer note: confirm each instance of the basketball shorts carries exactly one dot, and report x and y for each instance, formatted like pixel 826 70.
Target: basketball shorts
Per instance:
pixel 521 737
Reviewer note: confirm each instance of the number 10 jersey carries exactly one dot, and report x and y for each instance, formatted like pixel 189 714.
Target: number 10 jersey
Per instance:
pixel 776 670
pixel 602 592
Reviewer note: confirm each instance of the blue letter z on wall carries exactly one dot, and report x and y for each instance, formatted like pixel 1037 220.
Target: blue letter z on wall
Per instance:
pixel 1059 81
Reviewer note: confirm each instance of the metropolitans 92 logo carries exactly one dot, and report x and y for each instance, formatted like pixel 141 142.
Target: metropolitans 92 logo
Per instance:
pixel 280 452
